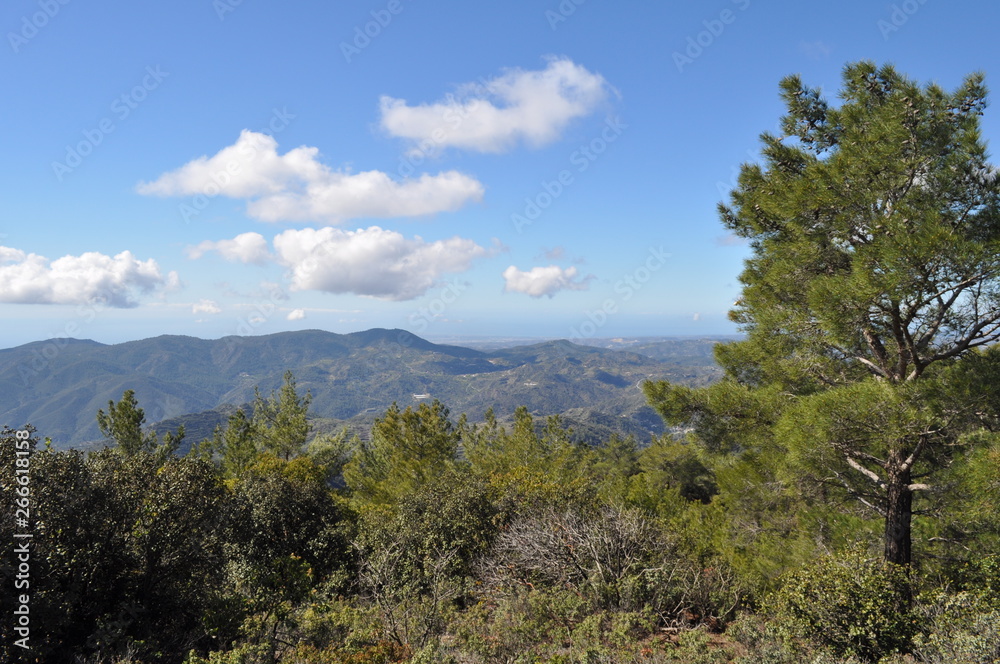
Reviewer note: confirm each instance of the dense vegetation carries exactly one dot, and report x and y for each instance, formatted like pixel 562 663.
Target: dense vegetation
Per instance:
pixel 835 500
pixel 454 543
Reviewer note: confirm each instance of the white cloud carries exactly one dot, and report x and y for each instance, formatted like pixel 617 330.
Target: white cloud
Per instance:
pixel 88 278
pixel 206 307
pixel 244 248
pixel 372 262
pixel 296 314
pixel 370 194
pixel 539 281
pixel 173 282
pixel 295 186
pixel 530 106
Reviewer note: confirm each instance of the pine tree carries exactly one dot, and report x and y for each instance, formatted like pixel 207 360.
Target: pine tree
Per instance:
pixel 408 450
pixel 123 423
pixel 236 445
pixel 875 237
pixel 280 420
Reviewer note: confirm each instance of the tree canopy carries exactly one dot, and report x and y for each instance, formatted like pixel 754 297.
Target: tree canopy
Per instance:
pixel 875 235
pixel 123 423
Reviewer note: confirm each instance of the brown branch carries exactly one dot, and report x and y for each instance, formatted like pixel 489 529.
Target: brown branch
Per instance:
pixel 903 351
pixel 858 496
pixel 864 471
pixel 877 349
pixel 977 336
pixel 874 367
pixel 912 459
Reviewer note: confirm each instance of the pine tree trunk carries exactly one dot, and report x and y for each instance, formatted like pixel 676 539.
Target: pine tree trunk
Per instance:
pixel 898 514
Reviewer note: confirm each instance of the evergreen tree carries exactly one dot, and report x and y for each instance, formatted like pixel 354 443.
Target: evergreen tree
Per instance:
pixel 875 232
pixel 123 423
pixel 280 420
pixel 408 449
pixel 236 445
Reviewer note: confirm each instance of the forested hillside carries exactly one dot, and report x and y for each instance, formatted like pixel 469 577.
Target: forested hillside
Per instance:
pixel 352 379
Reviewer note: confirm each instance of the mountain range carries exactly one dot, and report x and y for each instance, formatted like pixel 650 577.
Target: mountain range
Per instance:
pixel 58 385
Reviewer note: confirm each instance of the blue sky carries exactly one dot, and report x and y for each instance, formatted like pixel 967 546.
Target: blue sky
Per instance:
pixel 536 169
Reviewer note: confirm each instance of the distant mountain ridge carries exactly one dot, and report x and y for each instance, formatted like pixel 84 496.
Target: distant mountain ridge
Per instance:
pixel 58 385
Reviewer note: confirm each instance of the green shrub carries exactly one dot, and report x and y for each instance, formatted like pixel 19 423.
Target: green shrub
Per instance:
pixel 761 641
pixel 539 622
pixel 964 628
pixel 849 603
pixel 694 647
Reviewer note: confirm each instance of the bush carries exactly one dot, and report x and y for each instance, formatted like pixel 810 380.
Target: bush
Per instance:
pixel 850 603
pixel 539 622
pixel 964 629
pixel 618 560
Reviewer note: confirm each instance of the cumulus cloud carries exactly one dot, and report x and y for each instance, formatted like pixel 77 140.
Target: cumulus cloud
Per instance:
pixel 296 186
pixel 372 262
pixel 539 281
pixel 206 307
pixel 172 283
pixel 296 314
pixel 493 116
pixel 370 194
pixel 244 248
pixel 88 278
